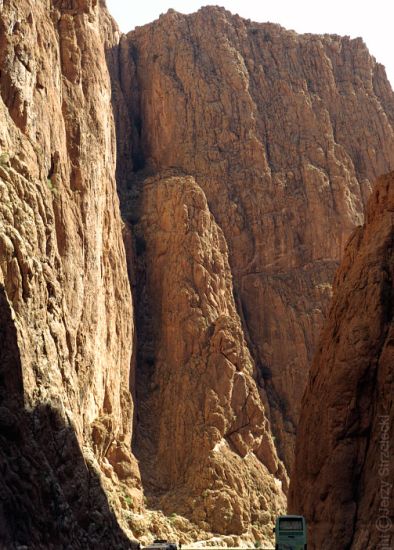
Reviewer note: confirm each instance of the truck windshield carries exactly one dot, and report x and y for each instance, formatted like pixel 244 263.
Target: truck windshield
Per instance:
pixel 290 524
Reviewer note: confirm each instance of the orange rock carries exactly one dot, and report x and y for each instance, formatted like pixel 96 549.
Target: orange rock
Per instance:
pixel 343 473
pixel 263 144
pixel 284 133
pixel 201 425
pixel 63 277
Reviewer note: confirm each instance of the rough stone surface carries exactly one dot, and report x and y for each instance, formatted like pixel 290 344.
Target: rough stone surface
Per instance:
pixel 64 285
pixel 284 133
pixel 343 473
pixel 245 156
pixel 203 439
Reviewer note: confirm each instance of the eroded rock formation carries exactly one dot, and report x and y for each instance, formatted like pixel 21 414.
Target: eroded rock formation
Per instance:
pixel 245 155
pixel 343 472
pixel 63 279
pixel 284 133
pixel 203 439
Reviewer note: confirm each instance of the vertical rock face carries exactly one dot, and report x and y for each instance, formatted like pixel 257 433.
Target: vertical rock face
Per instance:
pixel 284 133
pixel 203 440
pixel 245 156
pixel 65 297
pixel 343 472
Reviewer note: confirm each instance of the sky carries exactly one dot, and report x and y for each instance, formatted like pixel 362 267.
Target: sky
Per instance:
pixel 370 19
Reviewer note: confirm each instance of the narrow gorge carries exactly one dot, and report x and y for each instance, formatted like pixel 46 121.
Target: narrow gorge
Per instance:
pixel 343 473
pixel 175 203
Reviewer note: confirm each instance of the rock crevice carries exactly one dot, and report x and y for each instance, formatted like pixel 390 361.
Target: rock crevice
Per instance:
pixel 341 465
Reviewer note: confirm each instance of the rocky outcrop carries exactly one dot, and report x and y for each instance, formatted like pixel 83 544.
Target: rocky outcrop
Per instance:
pixel 343 473
pixel 51 496
pixel 202 437
pixel 66 421
pixel 284 133
pixel 245 156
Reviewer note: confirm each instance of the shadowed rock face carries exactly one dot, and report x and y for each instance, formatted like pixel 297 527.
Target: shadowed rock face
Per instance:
pixel 284 133
pixel 262 145
pixel 51 496
pixel 343 474
pixel 202 438
pixel 62 260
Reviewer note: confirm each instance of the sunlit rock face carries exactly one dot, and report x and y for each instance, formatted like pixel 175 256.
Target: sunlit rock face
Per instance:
pixel 244 155
pixel 284 133
pixel 343 470
pixel 65 297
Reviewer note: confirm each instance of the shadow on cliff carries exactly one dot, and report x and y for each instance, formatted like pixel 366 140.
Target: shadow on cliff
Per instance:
pixel 50 497
pixel 125 101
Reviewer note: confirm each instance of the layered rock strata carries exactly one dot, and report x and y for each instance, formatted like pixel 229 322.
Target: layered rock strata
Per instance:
pixel 343 473
pixel 284 133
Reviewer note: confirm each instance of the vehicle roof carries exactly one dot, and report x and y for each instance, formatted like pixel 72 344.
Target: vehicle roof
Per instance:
pixel 160 544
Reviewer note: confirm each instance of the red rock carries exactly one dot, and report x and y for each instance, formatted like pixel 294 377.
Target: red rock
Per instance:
pixel 284 133
pixel 343 474
pixel 202 439
pixel 264 144
pixel 63 275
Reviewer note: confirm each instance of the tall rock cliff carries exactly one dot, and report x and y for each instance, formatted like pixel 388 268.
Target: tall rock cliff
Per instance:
pixel 244 159
pixel 343 473
pixel 202 438
pixel 284 134
pixel 66 314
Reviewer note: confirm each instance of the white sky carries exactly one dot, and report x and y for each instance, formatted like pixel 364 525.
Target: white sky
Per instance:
pixel 371 19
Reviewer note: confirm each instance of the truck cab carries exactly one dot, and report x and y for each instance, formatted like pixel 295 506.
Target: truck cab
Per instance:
pixel 290 533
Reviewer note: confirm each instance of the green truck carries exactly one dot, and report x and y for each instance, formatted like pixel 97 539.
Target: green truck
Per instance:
pixel 290 533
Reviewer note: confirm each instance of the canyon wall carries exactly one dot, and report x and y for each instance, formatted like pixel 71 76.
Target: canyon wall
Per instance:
pixel 244 156
pixel 202 437
pixel 284 134
pixel 66 310
pixel 343 473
